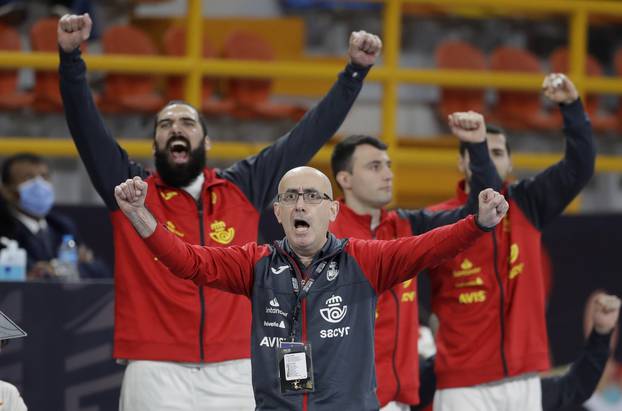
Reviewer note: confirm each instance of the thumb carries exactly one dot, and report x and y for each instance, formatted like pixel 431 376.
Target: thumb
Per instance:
pixel 88 25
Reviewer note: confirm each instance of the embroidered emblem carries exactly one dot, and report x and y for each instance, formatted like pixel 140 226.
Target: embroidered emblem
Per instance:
pixel 171 227
pixel 333 271
pixel 334 310
pixel 220 233
pixel 279 270
pixel 473 283
pixel 516 270
pixel 168 195
pixel 409 297
pixel 466 268
pixel 514 253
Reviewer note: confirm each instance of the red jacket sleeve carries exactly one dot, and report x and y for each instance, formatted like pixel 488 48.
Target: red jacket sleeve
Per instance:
pixel 387 263
pixel 226 268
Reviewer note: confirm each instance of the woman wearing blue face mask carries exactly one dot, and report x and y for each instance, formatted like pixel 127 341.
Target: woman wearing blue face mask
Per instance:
pixel 29 197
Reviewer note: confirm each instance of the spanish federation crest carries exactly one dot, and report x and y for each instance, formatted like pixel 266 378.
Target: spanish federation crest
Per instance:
pixel 333 271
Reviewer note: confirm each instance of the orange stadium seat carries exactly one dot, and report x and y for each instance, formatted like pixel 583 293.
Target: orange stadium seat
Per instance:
pixel 252 96
pixel 600 121
pixel 10 97
pixel 175 45
pixel 129 92
pixel 520 109
pixel 617 63
pixel 46 91
pixel 457 54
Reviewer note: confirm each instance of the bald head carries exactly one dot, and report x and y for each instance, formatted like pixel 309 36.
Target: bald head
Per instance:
pixel 305 220
pixel 306 177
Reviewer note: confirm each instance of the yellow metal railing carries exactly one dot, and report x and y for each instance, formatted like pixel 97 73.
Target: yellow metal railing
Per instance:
pixel 390 74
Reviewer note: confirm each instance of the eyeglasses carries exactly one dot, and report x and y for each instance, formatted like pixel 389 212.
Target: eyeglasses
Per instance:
pixel 308 197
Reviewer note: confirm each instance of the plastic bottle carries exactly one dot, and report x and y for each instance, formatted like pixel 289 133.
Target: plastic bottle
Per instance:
pixel 12 261
pixel 67 262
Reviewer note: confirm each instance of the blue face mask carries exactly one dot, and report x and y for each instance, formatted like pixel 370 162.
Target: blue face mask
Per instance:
pixel 36 196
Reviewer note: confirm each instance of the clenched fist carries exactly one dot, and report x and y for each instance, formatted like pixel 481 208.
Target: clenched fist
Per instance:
pixel 492 208
pixel 73 30
pixel 364 48
pixel 606 312
pixel 559 89
pixel 131 194
pixel 469 126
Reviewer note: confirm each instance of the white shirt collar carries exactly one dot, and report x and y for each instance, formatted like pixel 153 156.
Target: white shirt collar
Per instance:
pixel 34 225
pixel 194 188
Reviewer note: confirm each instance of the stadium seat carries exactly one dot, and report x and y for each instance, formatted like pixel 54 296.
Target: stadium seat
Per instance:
pixel 10 97
pixel 460 55
pixel 175 45
pixel 520 109
pixel 252 96
pixel 125 93
pixel 603 122
pixel 46 91
pixel 617 63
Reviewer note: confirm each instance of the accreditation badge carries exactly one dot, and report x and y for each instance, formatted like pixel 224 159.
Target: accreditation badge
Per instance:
pixel 295 367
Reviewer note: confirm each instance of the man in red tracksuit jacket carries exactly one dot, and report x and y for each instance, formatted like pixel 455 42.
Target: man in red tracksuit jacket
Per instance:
pixel 189 344
pixel 309 289
pixel 490 299
pixel 362 168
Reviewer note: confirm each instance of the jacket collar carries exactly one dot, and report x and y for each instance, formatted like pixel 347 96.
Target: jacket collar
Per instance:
pixel 461 194
pixel 364 219
pixel 212 178
pixel 332 246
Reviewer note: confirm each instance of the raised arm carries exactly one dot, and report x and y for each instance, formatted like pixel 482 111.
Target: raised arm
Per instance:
pixel 545 196
pixel 228 269
pixel 470 128
pixel 106 162
pixel 386 263
pixel 258 176
pixel 578 384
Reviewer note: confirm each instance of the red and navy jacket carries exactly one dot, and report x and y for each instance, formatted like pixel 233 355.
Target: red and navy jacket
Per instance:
pixel 158 316
pixel 337 315
pixel 397 314
pixel 490 299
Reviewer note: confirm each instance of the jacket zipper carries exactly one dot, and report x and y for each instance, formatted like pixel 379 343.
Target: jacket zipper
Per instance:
pixel 294 264
pixel 502 302
pixel 199 204
pixel 305 397
pixel 397 334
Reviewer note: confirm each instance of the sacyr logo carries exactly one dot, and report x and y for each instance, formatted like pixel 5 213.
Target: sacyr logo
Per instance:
pixel 279 270
pixel 274 302
pixel 334 312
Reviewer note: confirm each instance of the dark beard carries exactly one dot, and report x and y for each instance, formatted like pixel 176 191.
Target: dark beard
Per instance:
pixel 180 175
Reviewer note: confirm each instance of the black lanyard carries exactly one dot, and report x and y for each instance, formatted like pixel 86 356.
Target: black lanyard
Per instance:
pixel 302 288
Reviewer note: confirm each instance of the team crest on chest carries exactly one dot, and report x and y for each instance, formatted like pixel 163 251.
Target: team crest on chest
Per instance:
pixel 220 233
pixel 333 271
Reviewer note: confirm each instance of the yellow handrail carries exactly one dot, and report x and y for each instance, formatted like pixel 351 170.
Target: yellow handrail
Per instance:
pixel 224 150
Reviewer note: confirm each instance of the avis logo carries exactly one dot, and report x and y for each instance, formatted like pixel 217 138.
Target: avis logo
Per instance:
pixel 334 312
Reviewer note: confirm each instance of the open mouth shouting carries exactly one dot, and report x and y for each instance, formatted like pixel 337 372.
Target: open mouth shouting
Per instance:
pixel 301 226
pixel 179 149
